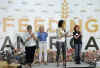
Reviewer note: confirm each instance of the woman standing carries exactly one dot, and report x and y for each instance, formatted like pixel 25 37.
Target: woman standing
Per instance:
pixel 77 43
pixel 30 45
pixel 42 36
pixel 60 43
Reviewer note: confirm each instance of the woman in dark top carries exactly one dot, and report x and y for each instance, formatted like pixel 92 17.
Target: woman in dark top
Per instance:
pixel 77 43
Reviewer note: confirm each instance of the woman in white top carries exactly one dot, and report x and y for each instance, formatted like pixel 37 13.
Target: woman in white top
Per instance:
pixel 60 43
pixel 30 45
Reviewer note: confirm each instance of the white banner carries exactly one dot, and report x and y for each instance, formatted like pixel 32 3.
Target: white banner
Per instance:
pixel 17 14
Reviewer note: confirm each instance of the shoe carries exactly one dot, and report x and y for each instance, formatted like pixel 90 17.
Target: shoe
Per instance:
pixel 64 65
pixel 27 66
pixel 78 63
pixel 45 63
pixel 57 64
pixel 30 65
pixel 40 63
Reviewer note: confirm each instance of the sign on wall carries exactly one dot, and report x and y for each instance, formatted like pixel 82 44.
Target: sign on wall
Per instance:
pixel 17 14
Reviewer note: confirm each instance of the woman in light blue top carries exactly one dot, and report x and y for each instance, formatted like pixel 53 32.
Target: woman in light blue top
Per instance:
pixel 42 36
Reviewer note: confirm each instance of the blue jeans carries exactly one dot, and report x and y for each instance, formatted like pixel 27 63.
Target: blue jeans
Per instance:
pixel 77 52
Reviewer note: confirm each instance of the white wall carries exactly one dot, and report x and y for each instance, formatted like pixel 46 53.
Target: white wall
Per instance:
pixel 50 9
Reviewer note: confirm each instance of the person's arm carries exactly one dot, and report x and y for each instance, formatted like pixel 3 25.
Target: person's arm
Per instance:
pixel 79 35
pixel 74 35
pixel 69 35
pixel 26 38
pixel 34 37
pixel 66 35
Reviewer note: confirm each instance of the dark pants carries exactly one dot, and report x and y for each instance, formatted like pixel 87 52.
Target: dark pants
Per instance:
pixel 59 46
pixel 30 51
pixel 77 52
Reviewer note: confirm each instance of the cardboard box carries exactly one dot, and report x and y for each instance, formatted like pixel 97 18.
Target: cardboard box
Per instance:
pixel 13 65
pixel 98 64
pixel 3 64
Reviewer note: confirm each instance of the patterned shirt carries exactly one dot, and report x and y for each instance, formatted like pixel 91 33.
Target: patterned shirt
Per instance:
pixel 60 32
pixel 30 42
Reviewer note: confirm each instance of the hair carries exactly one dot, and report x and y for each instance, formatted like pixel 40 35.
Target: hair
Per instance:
pixel 76 27
pixel 29 27
pixel 41 26
pixel 60 23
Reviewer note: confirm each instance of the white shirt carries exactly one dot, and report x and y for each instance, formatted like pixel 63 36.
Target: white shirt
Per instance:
pixel 60 32
pixel 8 49
pixel 30 42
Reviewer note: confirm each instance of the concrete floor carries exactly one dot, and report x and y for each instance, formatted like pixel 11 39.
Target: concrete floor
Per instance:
pixel 68 65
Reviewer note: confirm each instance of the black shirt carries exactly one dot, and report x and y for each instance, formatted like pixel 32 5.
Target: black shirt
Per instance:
pixel 79 40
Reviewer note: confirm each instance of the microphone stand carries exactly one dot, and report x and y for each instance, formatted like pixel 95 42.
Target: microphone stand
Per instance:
pixel 65 49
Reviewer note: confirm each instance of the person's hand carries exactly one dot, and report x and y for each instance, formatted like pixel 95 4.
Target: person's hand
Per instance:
pixel 28 38
pixel 79 35
pixel 33 36
pixel 75 37
pixel 66 34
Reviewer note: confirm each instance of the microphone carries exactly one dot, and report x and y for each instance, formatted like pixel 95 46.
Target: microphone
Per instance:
pixel 64 30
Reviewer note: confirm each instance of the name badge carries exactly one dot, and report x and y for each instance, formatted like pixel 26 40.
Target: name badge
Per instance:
pixel 76 33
